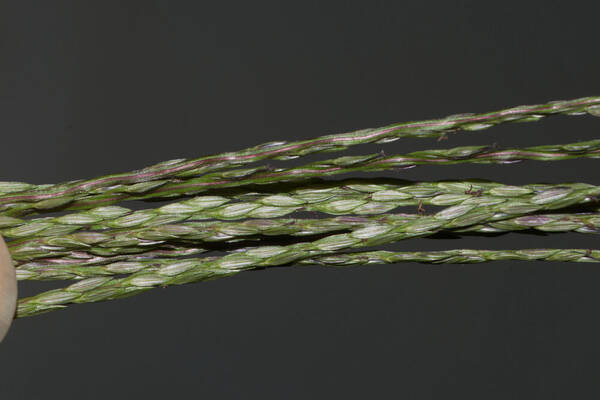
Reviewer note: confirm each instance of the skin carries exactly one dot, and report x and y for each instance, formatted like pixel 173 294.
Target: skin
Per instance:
pixel 8 290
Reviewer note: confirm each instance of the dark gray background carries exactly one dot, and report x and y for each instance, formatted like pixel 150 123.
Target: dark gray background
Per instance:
pixel 93 87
